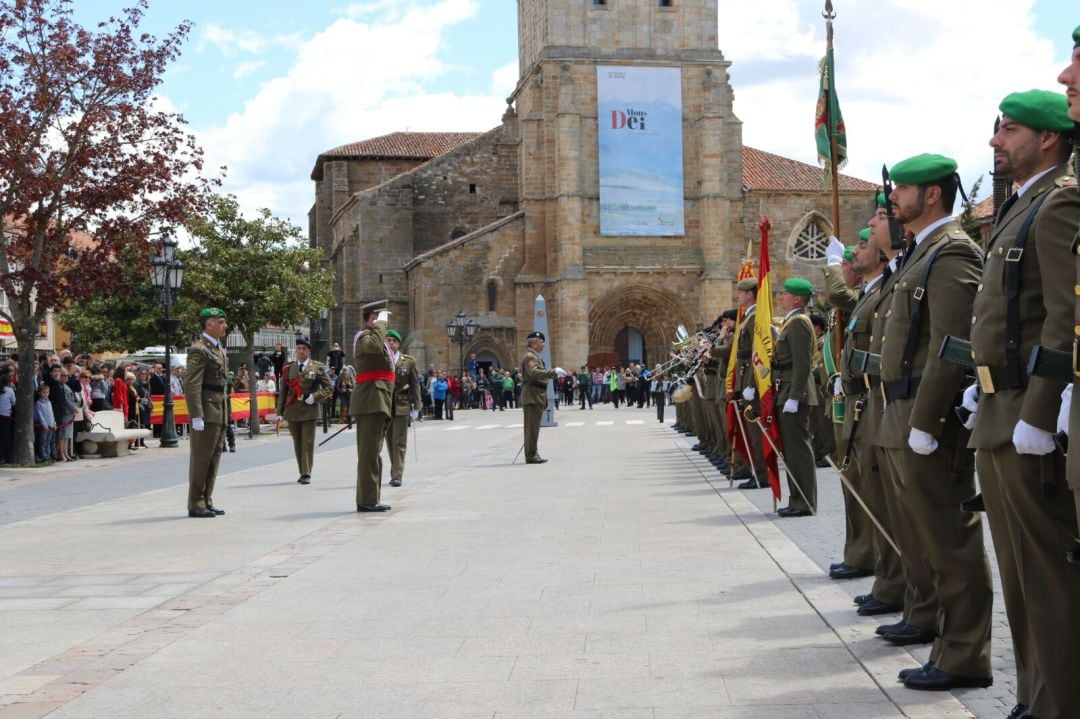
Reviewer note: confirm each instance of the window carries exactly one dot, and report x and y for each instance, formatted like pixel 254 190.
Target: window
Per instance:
pixel 808 241
pixel 472 188
pixel 667 3
pixel 599 2
pixel 492 293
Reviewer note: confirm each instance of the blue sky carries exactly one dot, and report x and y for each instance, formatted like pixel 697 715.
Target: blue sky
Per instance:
pixel 268 85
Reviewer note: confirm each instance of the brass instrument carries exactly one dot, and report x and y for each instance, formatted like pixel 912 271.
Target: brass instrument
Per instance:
pixel 689 352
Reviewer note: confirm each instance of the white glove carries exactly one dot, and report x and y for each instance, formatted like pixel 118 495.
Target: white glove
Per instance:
pixel 921 442
pixel 414 413
pixel 310 399
pixel 970 402
pixel 383 316
pixel 834 252
pixel 197 424
pixel 748 394
pixel 838 388
pixel 791 406
pixel 1063 413
pixel 1031 440
pixel 560 371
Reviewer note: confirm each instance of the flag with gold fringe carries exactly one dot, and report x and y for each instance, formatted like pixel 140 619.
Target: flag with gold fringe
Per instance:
pixel 762 358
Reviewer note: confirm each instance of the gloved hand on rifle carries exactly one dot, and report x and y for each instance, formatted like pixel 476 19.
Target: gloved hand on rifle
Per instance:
pixel 1066 406
pixel 970 402
pixel 834 252
pixel 1029 439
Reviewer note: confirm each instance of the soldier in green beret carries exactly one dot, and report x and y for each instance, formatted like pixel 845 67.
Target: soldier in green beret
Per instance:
pixel 302 388
pixel 922 436
pixel 1024 301
pixel 796 395
pixel 406 407
pixel 204 388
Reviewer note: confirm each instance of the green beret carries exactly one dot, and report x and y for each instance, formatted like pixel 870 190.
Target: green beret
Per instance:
pixel 798 286
pixel 849 253
pixel 881 201
pixel 212 312
pixel 1038 109
pixel 1076 37
pixel 922 169
pixel 864 234
pixel 395 334
pixel 747 284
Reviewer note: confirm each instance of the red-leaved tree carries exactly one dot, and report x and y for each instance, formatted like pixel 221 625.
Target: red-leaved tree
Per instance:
pixel 89 166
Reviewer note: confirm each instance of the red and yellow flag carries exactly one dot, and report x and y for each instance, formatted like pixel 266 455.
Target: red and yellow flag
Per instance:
pixel 762 357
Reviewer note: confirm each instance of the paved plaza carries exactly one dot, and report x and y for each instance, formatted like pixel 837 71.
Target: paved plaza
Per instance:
pixel 622 579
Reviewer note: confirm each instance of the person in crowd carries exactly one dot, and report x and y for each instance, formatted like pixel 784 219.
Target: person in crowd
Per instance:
pixel 119 391
pixel 597 385
pixel 658 385
pixel 7 422
pixel 44 426
pixel 335 358
pixel 267 383
pixel 453 394
pixel 278 359
pixel 439 388
pixel 66 420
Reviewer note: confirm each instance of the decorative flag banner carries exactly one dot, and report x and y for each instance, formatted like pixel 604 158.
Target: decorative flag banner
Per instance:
pixel 762 359
pixel 240 407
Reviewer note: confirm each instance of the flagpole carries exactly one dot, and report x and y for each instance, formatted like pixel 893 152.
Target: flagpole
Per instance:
pixel 837 316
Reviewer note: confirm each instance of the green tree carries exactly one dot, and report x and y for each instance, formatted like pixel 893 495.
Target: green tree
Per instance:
pixel 260 272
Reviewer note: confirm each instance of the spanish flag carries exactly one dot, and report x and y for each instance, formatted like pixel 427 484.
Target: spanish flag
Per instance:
pixel 735 437
pixel 762 357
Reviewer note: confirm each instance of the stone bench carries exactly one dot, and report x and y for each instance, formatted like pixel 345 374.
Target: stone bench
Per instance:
pixel 107 433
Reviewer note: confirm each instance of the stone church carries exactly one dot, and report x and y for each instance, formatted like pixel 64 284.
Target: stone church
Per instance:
pixel 437 223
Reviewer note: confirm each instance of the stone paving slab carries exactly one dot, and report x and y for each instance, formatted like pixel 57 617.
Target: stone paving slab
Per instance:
pixel 614 581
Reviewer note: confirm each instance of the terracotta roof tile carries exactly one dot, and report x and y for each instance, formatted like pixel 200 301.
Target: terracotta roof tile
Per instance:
pixel 766 171
pixel 985 209
pixel 409 145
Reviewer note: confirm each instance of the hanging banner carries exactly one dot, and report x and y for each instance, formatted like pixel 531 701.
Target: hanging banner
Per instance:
pixel 241 407
pixel 639 113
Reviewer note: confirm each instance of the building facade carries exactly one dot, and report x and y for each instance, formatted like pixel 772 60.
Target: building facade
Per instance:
pixel 435 223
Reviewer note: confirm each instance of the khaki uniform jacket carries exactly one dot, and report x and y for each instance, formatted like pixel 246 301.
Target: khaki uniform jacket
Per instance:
pixel 534 380
pixel 721 356
pixel 837 290
pixel 314 381
pixel 793 361
pixel 946 310
pixel 406 386
pixel 744 366
pixel 857 336
pixel 204 385
pixel 1045 279
pixel 372 397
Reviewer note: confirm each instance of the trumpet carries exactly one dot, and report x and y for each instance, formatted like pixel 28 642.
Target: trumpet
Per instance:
pixel 689 352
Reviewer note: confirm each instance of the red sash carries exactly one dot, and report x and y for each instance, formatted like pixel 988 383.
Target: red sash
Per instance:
pixel 375 375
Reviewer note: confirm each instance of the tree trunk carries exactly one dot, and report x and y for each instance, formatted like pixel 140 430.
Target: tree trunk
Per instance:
pixel 26 329
pixel 254 427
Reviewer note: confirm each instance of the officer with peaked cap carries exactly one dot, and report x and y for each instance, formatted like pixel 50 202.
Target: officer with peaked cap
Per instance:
pixel 923 439
pixel 744 391
pixel 796 395
pixel 204 388
pixel 302 388
pixel 1025 300
pixel 406 406
pixel 534 377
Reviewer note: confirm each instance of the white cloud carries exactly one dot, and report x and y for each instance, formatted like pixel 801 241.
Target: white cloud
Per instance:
pixel 230 42
pixel 913 76
pixel 246 68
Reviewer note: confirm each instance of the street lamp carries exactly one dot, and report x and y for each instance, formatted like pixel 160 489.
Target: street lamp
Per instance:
pixel 461 331
pixel 166 275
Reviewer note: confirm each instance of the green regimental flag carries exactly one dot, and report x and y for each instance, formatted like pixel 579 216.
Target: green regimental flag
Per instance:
pixel 829 123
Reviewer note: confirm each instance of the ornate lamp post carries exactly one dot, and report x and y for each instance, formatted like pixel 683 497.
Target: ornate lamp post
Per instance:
pixel 461 331
pixel 167 275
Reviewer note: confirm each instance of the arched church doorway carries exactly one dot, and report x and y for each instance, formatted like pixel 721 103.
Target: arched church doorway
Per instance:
pixel 630 346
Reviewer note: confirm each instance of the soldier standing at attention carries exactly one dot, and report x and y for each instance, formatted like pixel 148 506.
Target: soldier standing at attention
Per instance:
pixel 925 444
pixel 204 387
pixel 1023 301
pixel 406 406
pixel 302 388
pixel 534 393
pixel 371 404
pixel 796 395
pixel 745 387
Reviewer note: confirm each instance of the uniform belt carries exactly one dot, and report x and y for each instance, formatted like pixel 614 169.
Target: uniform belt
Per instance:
pixel 995 379
pixel 903 388
pixel 212 388
pixel 375 375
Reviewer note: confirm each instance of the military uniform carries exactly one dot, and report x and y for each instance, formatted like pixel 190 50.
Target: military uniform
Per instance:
pixel 746 377
pixel 921 391
pixel 535 377
pixel 371 404
pixel 295 385
pixel 406 399
pixel 204 389
pixel 1030 524
pixel 859 534
pixel 792 362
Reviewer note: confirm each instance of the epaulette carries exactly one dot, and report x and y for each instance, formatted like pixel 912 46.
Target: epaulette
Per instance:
pixel 1066 181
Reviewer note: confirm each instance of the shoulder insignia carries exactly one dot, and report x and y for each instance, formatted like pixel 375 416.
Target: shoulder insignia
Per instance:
pixel 195 358
pixel 530 362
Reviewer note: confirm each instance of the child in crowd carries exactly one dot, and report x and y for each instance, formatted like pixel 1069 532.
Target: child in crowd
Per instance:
pixel 44 425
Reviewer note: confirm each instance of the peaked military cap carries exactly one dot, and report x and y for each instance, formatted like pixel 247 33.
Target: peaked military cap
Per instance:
pixel 798 286
pixel 535 336
pixel 732 314
pixel 746 284
pixel 922 169
pixel 303 341
pixel 212 312
pixel 1038 109
pixel 395 334
pixel 864 234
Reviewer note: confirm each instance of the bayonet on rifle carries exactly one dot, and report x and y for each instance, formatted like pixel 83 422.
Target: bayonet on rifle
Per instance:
pixel 896 232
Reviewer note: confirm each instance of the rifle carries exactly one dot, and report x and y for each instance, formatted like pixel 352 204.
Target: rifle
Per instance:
pixel 958 351
pixel 1002 183
pixel 896 231
pixel 1051 364
pixel 866 362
